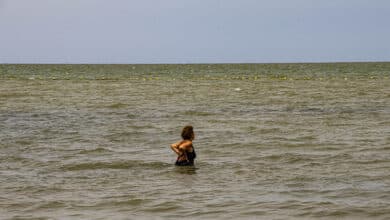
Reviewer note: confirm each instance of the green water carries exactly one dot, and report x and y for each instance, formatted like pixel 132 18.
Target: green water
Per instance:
pixel 274 141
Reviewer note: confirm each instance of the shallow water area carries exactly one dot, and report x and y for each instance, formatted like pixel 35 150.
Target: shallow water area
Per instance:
pixel 274 141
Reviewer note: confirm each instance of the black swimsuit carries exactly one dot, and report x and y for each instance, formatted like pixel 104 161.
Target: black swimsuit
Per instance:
pixel 190 156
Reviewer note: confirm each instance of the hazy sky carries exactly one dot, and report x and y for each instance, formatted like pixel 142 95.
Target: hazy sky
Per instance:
pixel 193 31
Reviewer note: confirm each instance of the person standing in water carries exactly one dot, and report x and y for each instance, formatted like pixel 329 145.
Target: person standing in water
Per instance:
pixel 184 149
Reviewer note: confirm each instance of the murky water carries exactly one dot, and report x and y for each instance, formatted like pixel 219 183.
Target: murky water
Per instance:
pixel 274 141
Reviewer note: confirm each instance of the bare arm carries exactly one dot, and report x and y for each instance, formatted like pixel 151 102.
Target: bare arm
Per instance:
pixel 176 148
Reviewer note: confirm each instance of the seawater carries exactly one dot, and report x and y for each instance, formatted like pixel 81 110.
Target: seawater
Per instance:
pixel 274 141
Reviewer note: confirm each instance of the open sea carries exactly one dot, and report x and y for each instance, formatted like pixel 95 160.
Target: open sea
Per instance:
pixel 274 141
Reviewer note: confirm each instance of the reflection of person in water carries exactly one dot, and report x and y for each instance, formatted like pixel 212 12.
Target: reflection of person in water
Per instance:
pixel 184 149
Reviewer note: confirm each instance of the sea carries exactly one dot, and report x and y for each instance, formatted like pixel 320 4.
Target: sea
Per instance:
pixel 273 141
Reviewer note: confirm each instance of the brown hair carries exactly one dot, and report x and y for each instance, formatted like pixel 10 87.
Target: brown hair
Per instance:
pixel 187 133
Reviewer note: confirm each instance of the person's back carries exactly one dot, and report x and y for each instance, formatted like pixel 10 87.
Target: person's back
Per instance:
pixel 184 149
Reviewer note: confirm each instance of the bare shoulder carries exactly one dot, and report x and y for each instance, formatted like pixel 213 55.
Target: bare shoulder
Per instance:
pixel 186 144
pixel 177 144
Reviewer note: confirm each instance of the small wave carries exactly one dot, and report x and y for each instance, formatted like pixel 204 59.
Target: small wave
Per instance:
pixel 197 113
pixel 52 205
pixel 24 142
pixel 375 161
pixel 13 158
pixel 13 95
pixel 164 207
pixel 113 165
pixel 269 130
pixel 288 158
pixel 96 150
pixel 117 105
pixel 312 110
pixel 124 202
pixel 343 212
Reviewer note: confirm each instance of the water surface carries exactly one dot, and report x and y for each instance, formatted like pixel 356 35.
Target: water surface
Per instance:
pixel 274 141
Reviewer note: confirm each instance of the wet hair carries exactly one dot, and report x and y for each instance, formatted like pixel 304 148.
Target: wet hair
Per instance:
pixel 187 133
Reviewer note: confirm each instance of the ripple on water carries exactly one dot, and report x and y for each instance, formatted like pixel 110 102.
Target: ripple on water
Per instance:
pixel 98 150
pixel 114 165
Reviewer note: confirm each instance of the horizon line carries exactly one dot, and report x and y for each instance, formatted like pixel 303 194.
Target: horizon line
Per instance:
pixel 195 63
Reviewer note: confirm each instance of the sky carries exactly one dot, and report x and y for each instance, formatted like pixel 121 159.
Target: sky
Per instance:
pixel 194 31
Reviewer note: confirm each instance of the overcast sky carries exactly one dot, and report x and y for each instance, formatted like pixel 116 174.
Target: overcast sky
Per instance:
pixel 193 31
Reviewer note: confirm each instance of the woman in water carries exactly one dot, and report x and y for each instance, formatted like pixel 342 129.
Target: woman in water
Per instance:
pixel 184 149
